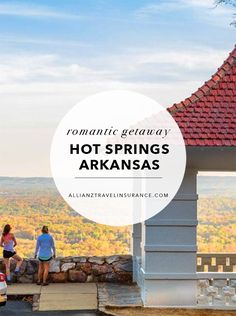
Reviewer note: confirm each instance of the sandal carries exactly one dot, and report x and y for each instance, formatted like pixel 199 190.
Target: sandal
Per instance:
pixel 45 283
pixel 38 283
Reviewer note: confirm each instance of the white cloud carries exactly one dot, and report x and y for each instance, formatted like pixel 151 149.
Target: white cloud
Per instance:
pixel 41 41
pixel 196 59
pixel 36 11
pixel 139 66
pixel 159 66
pixel 199 3
pixel 203 9
pixel 220 15
pixel 156 8
pixel 172 5
pixel 37 91
pixel 145 69
pixel 42 67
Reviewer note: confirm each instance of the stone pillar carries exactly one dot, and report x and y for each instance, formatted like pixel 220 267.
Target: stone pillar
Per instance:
pixel 168 268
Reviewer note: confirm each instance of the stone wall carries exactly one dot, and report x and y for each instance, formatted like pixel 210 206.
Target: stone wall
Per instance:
pixel 117 268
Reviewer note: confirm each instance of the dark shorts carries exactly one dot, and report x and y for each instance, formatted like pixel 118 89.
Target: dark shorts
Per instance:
pixel 8 254
pixel 45 260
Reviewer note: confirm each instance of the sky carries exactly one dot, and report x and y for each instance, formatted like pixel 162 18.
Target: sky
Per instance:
pixel 54 53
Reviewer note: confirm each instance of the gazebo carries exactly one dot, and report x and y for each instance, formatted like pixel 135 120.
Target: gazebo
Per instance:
pixel 165 247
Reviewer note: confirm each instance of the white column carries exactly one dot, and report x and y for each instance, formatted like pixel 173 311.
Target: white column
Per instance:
pixel 136 243
pixel 136 234
pixel 168 246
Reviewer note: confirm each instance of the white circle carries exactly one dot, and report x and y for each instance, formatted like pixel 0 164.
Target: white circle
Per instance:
pixel 118 158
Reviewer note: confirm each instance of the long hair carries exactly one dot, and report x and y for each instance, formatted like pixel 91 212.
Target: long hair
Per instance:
pixel 6 229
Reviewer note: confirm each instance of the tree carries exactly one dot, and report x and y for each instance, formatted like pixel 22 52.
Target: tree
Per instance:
pixel 231 3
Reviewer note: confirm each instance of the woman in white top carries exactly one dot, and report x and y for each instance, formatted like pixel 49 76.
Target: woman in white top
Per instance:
pixel 8 242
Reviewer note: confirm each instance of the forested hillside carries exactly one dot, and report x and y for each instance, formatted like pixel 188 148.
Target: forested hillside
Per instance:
pixel 217 214
pixel 29 203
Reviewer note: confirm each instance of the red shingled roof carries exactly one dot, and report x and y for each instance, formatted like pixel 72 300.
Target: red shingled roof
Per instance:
pixel 208 117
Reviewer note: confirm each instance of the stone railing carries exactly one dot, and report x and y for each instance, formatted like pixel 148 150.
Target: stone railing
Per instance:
pixel 216 262
pixel 216 273
pixel 117 268
pixel 216 290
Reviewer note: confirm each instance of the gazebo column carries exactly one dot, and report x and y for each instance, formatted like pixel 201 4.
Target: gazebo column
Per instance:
pixel 168 269
pixel 136 234
pixel 136 251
